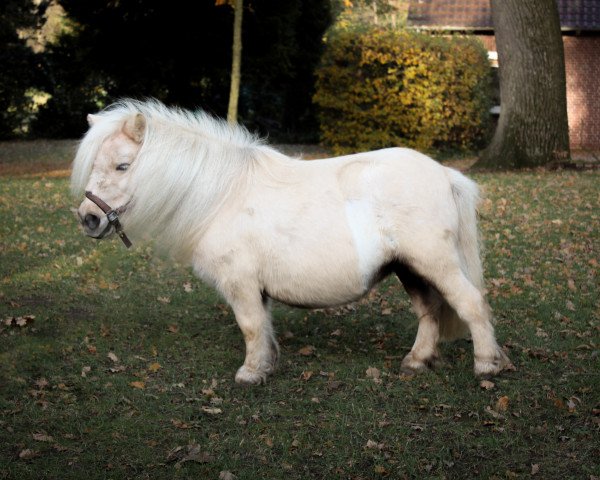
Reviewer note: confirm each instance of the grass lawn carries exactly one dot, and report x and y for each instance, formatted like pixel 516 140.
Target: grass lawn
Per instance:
pixel 115 364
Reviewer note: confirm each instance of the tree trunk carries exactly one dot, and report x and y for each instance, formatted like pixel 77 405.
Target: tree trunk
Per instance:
pixel 532 129
pixel 236 63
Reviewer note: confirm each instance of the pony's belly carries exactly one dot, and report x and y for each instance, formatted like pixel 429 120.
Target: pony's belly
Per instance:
pixel 322 289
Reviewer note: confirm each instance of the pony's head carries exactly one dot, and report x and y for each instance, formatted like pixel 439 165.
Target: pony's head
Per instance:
pixel 170 168
pixel 103 166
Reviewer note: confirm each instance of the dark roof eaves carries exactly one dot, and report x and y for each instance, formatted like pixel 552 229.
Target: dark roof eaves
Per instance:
pixel 461 28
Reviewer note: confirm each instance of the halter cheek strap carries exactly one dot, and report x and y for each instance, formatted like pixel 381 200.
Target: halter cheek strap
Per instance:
pixel 112 215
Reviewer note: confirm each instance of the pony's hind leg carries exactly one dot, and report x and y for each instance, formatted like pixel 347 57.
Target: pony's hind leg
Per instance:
pixel 253 316
pixel 472 308
pixel 426 304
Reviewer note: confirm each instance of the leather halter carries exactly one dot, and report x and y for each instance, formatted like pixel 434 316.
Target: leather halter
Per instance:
pixel 112 215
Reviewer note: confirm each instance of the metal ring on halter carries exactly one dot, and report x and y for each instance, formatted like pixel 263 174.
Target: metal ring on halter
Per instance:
pixel 112 215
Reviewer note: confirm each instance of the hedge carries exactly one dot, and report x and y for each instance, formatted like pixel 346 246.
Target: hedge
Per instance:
pixel 382 88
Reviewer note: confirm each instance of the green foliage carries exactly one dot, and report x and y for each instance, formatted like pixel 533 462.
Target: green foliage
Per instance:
pixel 21 72
pixel 380 88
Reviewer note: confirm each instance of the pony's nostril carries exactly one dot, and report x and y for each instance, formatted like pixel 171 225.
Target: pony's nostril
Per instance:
pixel 91 221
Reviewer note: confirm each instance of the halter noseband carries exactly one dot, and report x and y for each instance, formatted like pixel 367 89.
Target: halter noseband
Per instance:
pixel 112 215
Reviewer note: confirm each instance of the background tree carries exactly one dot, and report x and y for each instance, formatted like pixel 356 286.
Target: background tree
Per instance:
pixel 532 128
pixel 180 53
pixel 22 69
pixel 236 63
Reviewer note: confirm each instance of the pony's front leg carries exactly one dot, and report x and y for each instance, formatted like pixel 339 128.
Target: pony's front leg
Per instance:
pixel 262 351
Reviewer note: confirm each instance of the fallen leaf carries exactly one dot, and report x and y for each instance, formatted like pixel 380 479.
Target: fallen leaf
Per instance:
pixel 572 404
pixel 22 321
pixel 164 299
pixel 140 385
pixel 380 469
pixel 502 404
pixel 27 454
pixel 211 410
pixel 535 468
pixel 154 367
pixel 226 475
pixel 179 424
pixel 372 445
pixel 306 375
pixel 19 321
pixel 189 453
pixel 487 385
pixel 85 371
pixel 373 373
pixel 307 351
pixel 187 286
pixel 173 328
pixel 41 383
pixel 42 437
pixel 113 357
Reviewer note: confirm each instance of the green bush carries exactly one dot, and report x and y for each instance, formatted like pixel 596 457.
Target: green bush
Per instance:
pixel 382 88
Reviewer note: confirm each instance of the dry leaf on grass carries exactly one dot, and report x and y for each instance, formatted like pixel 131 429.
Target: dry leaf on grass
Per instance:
pixel 27 454
pixel 42 437
pixel 502 404
pixel 19 321
pixel 113 358
pixel 189 453
pixel 154 367
pixel 307 351
pixel 211 410
pixel 487 385
pixel 226 475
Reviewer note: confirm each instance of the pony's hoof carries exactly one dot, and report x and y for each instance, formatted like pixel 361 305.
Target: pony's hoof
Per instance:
pixel 248 378
pixel 411 365
pixel 487 368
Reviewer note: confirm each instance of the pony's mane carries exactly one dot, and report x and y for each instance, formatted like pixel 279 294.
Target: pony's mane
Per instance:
pixel 187 165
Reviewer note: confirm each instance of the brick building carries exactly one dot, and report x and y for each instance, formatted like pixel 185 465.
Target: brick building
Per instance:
pixel 580 25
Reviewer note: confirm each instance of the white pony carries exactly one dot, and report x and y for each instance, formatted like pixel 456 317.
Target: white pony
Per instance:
pixel 258 225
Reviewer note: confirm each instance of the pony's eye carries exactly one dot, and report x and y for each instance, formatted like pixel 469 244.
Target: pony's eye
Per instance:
pixel 122 167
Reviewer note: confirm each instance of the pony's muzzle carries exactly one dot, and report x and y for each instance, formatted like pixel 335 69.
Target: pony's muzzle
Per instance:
pixel 91 221
pixel 94 225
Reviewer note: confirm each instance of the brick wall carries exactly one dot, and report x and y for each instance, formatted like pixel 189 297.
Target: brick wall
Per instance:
pixel 582 65
pixel 582 61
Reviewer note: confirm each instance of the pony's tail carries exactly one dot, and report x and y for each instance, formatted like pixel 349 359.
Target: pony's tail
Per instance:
pixel 466 197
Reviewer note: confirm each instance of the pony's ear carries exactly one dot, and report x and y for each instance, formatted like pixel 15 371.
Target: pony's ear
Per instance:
pixel 135 127
pixel 91 119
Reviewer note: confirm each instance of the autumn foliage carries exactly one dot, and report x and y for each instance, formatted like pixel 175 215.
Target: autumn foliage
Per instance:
pixel 380 88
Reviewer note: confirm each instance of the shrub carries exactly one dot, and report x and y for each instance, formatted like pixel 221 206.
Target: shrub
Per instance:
pixel 382 88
